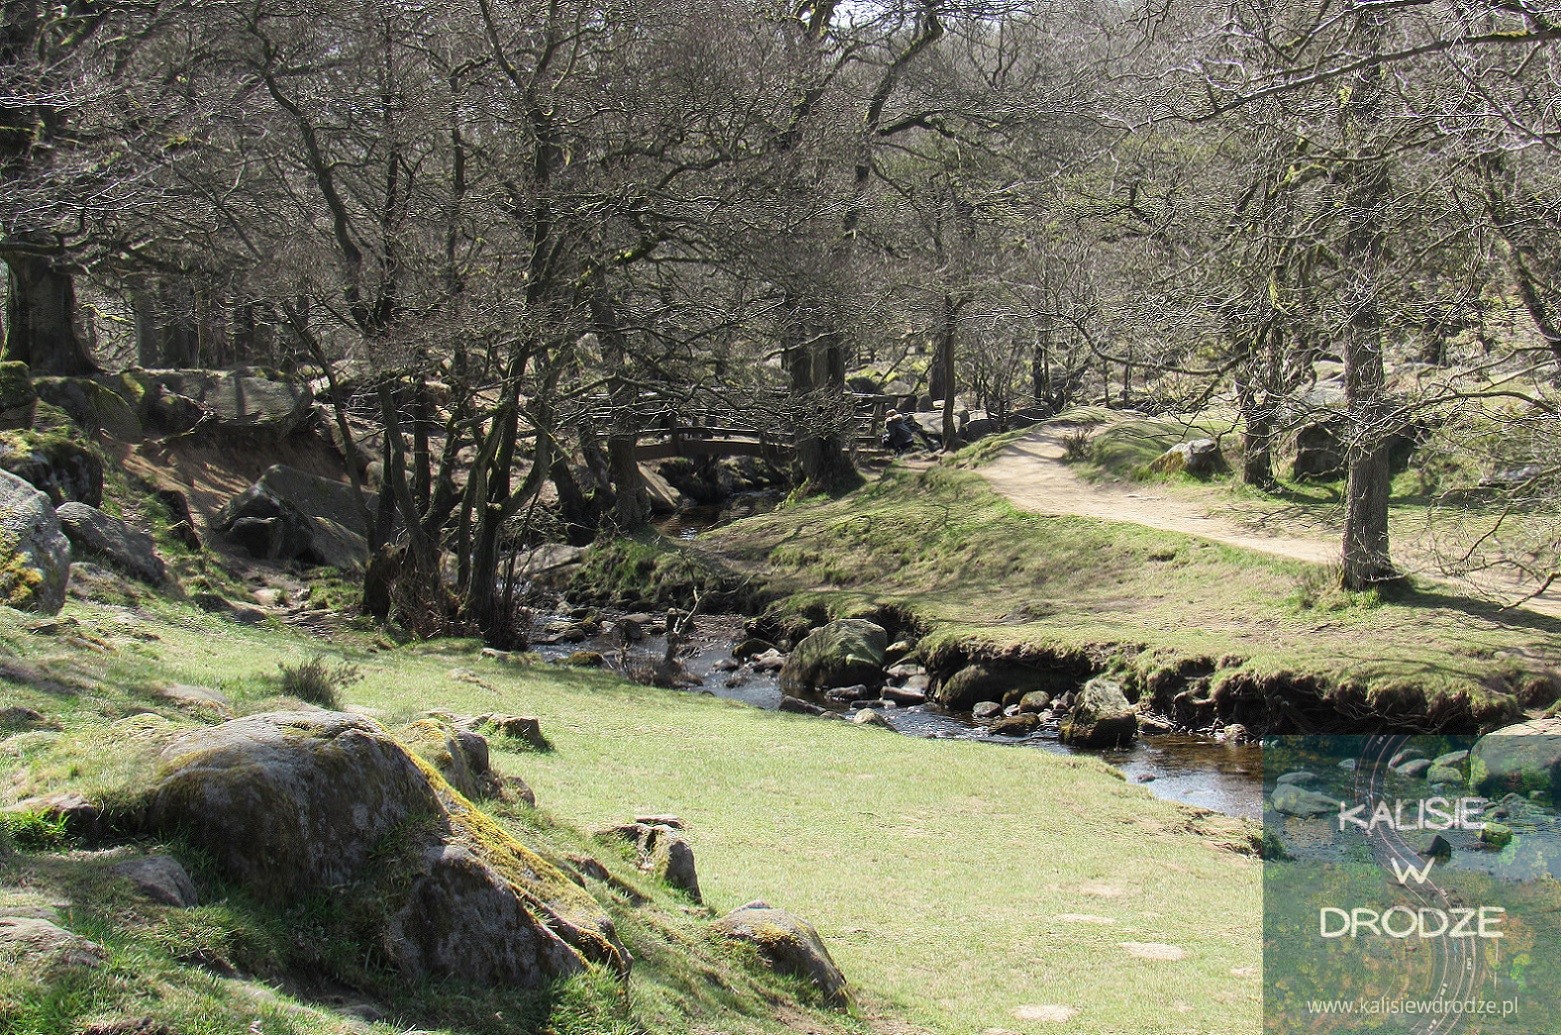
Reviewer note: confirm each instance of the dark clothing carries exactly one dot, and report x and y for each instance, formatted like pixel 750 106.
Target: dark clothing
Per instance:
pixel 897 435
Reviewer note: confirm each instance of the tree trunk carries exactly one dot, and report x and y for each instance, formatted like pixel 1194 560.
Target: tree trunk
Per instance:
pixel 1257 441
pixel 1366 558
pixel 946 358
pixel 631 508
pixel 818 378
pixel 40 319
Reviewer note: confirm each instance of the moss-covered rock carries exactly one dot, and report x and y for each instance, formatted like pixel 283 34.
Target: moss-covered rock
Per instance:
pixel 290 802
pixel 842 653
pixel 650 574
pixel 66 470
pixel 790 945
pixel 34 553
pixel 17 395
pixel 94 404
pixel 295 804
pixel 1100 717
pixel 1521 759
pixel 460 755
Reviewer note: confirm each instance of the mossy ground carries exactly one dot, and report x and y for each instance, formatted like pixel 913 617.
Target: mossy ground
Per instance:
pixel 944 547
pixel 948 879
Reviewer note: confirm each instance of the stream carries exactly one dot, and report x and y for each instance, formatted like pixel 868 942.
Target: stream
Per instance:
pixel 1194 770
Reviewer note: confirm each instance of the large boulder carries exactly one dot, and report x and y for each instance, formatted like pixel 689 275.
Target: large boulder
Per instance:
pixel 55 464
pixel 997 681
pixel 292 804
pixel 96 534
pixel 463 920
pixel 247 403
pixel 842 653
pixel 292 515
pixel 34 553
pixel 1522 758
pixel 1320 451
pixel 1199 458
pixel 95 404
pixel 1100 717
pixel 789 944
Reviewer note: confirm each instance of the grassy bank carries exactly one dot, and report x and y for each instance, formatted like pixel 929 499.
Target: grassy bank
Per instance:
pixel 961 887
pixel 1156 606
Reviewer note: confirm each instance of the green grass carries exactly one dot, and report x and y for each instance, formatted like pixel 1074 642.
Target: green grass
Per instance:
pixel 936 871
pixel 945 547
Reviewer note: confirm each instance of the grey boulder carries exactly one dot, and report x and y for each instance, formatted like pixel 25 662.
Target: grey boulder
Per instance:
pixel 789 945
pixel 34 553
pixel 96 534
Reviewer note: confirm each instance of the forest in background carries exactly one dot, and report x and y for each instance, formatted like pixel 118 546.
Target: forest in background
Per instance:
pixel 519 235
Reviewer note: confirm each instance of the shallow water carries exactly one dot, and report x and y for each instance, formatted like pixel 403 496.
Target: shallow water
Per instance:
pixel 1194 770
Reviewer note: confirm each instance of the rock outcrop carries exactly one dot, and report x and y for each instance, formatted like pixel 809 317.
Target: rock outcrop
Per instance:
pixel 292 515
pixel 55 464
pixel 95 534
pixel 290 804
pixel 34 553
pixel 789 945
pixel 243 404
pixel 842 653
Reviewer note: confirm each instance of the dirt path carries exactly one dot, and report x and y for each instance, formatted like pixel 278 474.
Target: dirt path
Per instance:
pixel 1032 475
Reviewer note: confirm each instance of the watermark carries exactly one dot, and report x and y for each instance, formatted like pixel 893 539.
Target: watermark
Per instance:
pixel 1412 885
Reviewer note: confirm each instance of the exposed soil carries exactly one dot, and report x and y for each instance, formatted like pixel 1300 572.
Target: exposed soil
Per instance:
pixel 1032 475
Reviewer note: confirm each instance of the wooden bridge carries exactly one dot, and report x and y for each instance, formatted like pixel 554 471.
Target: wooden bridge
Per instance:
pixel 696 439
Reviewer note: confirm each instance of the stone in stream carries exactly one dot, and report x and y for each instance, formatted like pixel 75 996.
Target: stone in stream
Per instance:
pixel 986 710
pixel 751 647
pixel 868 717
pixel 1035 702
pixel 1100 717
pixel 1021 725
pixel 771 660
pixel 1453 759
pixel 1414 767
pixel 1443 775
pixel 1523 758
pixel 797 706
pixel 1295 800
pixel 906 698
pixel 1406 755
pixel 1301 776
pixel 848 694
pixel 842 653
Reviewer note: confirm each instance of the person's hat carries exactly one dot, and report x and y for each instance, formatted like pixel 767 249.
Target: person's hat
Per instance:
pixel 892 414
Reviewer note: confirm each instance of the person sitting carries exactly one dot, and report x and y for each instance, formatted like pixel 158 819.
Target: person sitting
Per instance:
pixel 897 434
